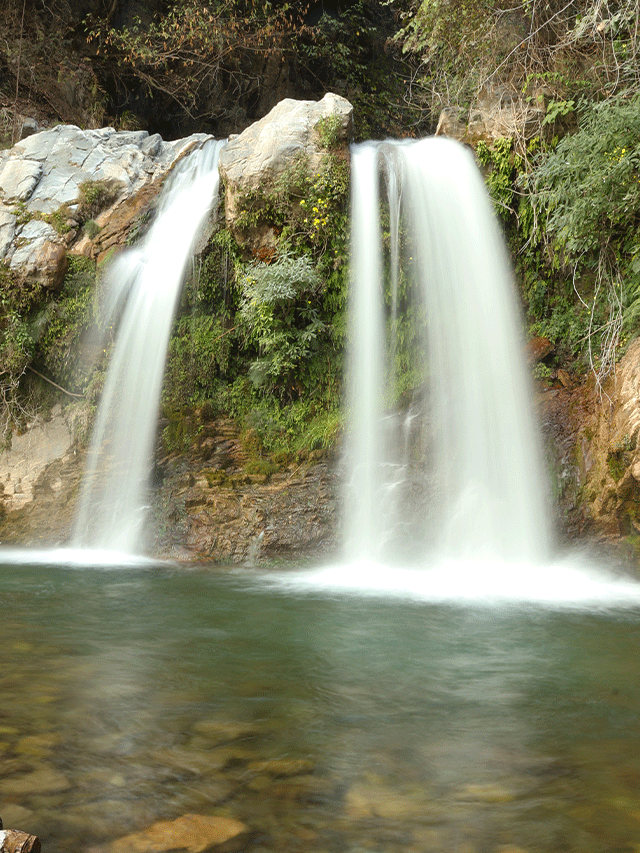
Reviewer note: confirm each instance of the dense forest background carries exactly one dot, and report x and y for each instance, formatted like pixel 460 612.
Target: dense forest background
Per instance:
pixel 564 173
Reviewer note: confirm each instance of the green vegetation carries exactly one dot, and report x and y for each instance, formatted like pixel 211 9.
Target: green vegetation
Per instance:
pixel 59 327
pixel 565 181
pixel 95 196
pixel 556 51
pixel 258 338
pixel 571 210
pixel 259 332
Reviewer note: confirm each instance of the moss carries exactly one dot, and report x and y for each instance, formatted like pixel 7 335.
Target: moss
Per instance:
pixel 91 228
pixel 617 463
pixel 61 219
pixel 262 467
pixel 61 325
pixel 96 196
pixel 215 477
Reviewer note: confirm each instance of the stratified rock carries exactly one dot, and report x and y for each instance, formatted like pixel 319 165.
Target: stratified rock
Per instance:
pixel 291 135
pixel 29 456
pixel 191 832
pixel 610 453
pixel 44 173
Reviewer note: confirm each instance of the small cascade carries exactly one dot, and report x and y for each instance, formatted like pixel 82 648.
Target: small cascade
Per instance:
pixel 144 287
pixel 455 472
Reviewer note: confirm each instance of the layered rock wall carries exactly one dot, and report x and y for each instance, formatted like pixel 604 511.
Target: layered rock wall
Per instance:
pixel 212 506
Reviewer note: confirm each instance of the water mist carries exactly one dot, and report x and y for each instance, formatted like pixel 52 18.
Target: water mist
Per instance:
pixel 452 469
pixel 144 287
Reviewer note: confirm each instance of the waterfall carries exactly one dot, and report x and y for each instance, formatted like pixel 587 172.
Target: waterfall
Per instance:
pixel 144 286
pixel 453 468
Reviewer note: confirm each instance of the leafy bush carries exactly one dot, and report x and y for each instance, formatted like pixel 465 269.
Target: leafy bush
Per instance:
pixel 199 354
pixel 579 218
pixel 588 188
pixel 280 316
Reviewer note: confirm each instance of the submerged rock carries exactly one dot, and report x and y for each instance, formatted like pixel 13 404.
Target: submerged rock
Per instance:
pixel 192 832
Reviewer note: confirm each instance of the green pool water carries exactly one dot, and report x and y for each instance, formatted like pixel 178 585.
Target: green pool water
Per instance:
pixel 322 719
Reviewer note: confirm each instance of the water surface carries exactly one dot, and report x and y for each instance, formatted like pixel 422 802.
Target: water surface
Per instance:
pixel 323 719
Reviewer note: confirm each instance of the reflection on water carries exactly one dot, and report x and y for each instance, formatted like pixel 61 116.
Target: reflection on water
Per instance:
pixel 323 722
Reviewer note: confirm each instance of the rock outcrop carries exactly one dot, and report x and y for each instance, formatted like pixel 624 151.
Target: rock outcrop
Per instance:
pixel 608 452
pixel 295 135
pixel 209 502
pixel 41 188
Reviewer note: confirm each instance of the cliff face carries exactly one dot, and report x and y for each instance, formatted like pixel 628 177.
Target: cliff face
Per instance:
pixel 69 200
pixel 608 453
pixel 79 197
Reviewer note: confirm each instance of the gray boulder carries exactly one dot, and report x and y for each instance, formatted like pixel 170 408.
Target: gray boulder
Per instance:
pixel 45 171
pixel 293 133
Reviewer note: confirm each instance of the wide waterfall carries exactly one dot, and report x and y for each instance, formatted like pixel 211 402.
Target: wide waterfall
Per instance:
pixel 143 289
pixel 455 470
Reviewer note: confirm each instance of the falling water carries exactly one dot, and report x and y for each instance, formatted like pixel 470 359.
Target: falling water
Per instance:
pixel 455 470
pixel 144 287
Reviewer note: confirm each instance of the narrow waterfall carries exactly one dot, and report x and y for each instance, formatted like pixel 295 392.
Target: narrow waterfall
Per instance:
pixel 145 284
pixel 450 469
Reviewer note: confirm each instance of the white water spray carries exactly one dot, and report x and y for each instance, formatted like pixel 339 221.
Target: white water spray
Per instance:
pixel 471 485
pixel 444 493
pixel 145 283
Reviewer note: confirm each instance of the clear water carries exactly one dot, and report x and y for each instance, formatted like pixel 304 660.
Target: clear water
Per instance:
pixel 324 719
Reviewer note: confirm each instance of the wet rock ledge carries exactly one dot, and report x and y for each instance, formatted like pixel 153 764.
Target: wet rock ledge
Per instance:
pixel 216 503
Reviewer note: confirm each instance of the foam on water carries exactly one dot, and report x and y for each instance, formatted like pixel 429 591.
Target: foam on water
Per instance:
pixel 75 558
pixel 569 584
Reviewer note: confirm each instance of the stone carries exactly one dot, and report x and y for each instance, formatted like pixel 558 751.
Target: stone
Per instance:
pixel 45 780
pixel 610 442
pixel 222 731
pixel 16 841
pixel 38 746
pixel 192 832
pixel 497 113
pixel 7 230
pixel 366 800
pixel 18 179
pixel 47 169
pixel 538 348
pixel 30 454
pixel 49 264
pixel 282 767
pixel 16 815
pixel 485 793
pixel 40 256
pixel 29 126
pixel 451 123
pixel 196 762
pixel 253 161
